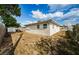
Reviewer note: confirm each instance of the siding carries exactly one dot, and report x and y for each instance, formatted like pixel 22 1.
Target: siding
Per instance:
pixel 54 29
pixel 33 29
pixel 50 30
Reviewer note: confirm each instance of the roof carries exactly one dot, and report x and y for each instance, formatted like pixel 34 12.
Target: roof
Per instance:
pixel 43 22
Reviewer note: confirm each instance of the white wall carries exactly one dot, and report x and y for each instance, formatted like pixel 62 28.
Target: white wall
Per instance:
pixel 50 30
pixel 41 30
pixel 54 29
pixel 11 29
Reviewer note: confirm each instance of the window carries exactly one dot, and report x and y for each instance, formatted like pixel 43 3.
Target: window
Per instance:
pixel 44 26
pixel 38 26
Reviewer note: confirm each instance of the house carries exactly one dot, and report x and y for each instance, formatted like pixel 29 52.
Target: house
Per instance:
pixel 64 28
pixel 11 29
pixel 46 27
pixel 14 29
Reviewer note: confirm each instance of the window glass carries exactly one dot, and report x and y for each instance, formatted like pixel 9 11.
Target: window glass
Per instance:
pixel 38 26
pixel 44 26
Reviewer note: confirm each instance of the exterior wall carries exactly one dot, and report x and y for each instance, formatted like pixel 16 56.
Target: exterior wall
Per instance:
pixel 11 29
pixel 50 30
pixel 54 29
pixel 41 30
pixel 64 29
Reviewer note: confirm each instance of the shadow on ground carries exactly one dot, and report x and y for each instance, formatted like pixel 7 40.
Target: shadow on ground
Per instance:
pixel 7 47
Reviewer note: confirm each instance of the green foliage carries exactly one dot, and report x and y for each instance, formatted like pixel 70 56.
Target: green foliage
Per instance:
pixel 10 9
pixel 7 11
pixel 10 21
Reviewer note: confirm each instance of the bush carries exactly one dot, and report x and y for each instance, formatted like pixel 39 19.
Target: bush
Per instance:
pixel 66 46
pixel 45 46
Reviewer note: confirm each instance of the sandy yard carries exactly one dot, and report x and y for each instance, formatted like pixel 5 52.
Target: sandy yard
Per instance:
pixel 25 42
pixel 25 45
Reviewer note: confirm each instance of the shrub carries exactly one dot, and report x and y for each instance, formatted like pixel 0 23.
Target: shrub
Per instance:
pixel 66 46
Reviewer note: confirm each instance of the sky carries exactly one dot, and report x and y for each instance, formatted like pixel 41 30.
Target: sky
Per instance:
pixel 63 14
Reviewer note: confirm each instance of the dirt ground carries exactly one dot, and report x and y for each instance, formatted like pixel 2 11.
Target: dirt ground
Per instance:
pixel 25 45
pixel 59 35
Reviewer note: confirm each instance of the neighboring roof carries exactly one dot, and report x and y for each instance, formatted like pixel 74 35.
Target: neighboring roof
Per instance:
pixel 45 21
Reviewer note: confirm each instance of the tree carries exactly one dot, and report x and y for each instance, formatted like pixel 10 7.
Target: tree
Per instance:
pixel 10 9
pixel 7 12
pixel 10 21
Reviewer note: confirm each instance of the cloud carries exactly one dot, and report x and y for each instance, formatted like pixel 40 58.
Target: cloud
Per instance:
pixel 29 22
pixel 74 9
pixel 70 22
pixel 57 14
pixel 25 20
pixel 72 14
pixel 70 17
pixel 70 9
pixel 57 7
pixel 38 14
